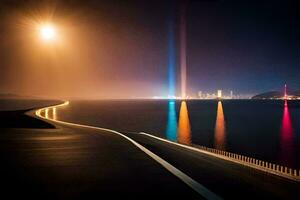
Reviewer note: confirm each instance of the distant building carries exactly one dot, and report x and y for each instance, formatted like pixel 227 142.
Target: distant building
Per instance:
pixel 231 94
pixel 219 93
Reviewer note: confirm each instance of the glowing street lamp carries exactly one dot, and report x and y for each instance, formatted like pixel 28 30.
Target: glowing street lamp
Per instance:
pixel 47 32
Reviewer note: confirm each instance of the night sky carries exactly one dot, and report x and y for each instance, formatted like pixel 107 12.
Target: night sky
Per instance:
pixel 119 48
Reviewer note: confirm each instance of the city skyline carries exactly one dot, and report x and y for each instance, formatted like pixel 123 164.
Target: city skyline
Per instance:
pixel 121 49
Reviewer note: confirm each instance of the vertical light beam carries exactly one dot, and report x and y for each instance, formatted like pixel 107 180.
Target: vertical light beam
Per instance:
pixel 171 55
pixel 183 50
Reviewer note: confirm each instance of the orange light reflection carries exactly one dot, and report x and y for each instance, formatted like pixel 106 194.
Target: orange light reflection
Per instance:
pixel 46 113
pixel 54 114
pixel 220 131
pixel 184 127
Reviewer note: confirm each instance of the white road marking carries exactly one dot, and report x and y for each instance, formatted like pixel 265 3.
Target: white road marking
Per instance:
pixel 200 189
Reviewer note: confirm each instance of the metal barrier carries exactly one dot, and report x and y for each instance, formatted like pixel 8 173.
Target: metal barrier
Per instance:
pixel 256 163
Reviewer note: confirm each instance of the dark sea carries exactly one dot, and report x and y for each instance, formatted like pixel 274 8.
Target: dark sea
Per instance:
pixel 263 129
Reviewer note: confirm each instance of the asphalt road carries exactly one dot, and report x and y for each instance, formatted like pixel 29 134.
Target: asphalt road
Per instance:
pixel 224 178
pixel 69 162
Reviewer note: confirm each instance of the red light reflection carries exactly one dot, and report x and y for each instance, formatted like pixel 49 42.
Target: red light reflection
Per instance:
pixel 286 136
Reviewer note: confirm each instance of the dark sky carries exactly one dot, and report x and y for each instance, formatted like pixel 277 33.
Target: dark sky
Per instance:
pixel 118 48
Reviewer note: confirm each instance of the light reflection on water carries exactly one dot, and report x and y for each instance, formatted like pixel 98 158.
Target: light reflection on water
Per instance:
pixel 286 136
pixel 47 113
pixel 171 130
pixel 220 129
pixel 184 127
pixel 54 114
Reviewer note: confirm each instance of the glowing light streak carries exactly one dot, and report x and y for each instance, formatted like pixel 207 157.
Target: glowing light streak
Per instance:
pixel 171 130
pixel 171 57
pixel 54 113
pixel 286 136
pixel 183 51
pixel 184 127
pixel 46 113
pixel 285 92
pixel 220 131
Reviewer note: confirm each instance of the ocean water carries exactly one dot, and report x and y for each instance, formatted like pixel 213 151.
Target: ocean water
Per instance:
pixel 267 130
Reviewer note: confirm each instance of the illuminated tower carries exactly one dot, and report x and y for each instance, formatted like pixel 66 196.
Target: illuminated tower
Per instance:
pixel 219 94
pixel 285 93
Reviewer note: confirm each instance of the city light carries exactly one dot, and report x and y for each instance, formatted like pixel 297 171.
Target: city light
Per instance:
pixel 219 94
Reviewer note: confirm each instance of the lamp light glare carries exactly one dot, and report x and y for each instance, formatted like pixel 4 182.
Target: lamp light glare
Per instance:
pixel 47 32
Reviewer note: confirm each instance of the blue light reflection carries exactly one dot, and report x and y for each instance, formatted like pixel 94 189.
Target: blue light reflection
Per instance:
pixel 171 130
